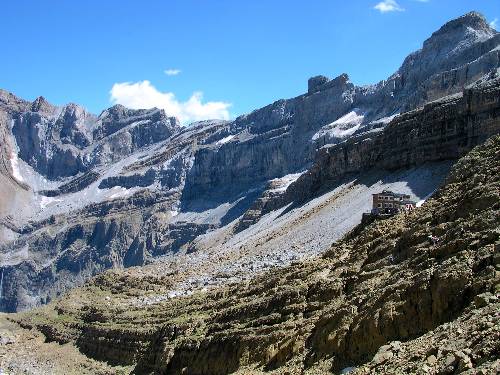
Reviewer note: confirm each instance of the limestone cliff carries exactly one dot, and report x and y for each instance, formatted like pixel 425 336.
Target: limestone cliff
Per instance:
pixel 443 129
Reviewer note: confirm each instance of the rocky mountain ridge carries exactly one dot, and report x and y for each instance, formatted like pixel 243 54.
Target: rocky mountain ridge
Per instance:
pixel 83 193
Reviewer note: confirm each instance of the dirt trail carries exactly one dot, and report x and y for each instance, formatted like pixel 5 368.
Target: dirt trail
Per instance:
pixel 26 352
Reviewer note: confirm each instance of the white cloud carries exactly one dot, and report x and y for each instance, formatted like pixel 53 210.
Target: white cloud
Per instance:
pixel 388 6
pixel 494 23
pixel 144 95
pixel 172 72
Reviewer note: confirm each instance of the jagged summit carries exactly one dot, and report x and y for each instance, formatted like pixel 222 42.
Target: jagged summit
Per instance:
pixel 472 20
pixel 75 113
pixel 460 33
pixel 115 110
pixel 41 104
pixel 119 111
pixel 462 50
pixel 10 103
pixel 321 82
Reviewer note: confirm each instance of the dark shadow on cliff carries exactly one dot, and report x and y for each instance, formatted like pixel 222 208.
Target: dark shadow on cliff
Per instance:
pixel 241 206
pixel 422 180
pixel 239 198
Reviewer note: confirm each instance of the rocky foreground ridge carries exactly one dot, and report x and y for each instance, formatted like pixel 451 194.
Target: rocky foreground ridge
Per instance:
pixel 83 193
pixel 383 300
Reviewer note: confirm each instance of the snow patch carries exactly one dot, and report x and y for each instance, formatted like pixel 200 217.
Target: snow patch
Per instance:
pixel 14 162
pixel 385 120
pixel 282 183
pixel 120 192
pixel 47 201
pixel 225 140
pixel 422 201
pixel 343 127
pixel 352 117
pixel 23 172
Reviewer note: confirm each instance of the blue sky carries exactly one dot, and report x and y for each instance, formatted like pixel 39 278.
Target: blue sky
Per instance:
pixel 208 58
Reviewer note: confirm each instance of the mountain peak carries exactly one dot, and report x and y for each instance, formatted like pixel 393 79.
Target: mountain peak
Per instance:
pixel 41 104
pixel 469 28
pixel 318 83
pixel 11 103
pixel 472 19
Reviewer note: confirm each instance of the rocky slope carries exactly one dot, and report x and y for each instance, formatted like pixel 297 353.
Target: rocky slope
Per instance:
pixel 384 299
pixel 83 193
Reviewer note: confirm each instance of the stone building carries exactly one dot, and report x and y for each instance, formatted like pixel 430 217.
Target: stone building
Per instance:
pixel 388 202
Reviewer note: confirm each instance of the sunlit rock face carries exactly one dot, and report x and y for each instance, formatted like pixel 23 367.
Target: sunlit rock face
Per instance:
pixel 82 193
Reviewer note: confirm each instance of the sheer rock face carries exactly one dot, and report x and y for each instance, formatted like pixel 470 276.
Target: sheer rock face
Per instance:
pixel 445 129
pixel 66 172
pixel 273 141
pixel 64 142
